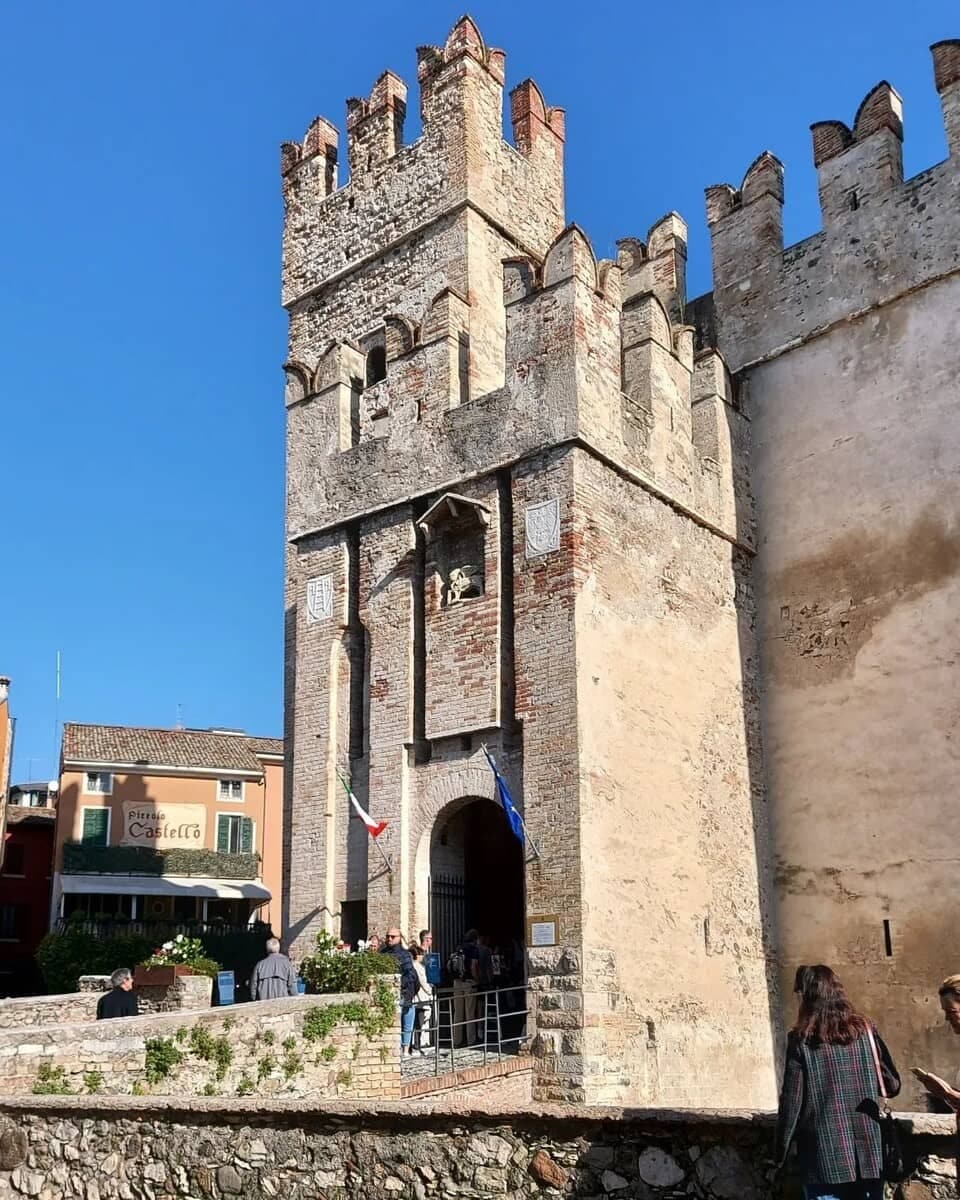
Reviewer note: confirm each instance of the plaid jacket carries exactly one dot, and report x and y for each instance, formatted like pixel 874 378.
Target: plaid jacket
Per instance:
pixel 830 1104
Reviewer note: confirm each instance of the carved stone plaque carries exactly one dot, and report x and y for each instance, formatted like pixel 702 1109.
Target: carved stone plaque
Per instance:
pixel 542 527
pixel 319 599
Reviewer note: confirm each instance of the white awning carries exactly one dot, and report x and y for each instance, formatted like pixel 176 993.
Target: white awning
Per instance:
pixel 164 885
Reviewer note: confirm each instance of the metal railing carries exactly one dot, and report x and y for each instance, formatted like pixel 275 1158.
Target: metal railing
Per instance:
pixel 460 1022
pixel 156 927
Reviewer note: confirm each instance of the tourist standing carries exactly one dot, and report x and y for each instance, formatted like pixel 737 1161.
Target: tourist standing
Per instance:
pixel 831 1085
pixel 464 966
pixel 949 995
pixel 409 986
pixel 274 976
pixel 121 1001
pixel 423 1021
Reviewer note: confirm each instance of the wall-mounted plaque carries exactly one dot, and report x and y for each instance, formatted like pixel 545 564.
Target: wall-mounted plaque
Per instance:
pixel 542 523
pixel 542 931
pixel 319 599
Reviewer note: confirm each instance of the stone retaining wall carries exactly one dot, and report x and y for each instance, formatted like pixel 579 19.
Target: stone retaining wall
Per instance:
pixel 188 993
pixel 71 1008
pixel 275 1047
pixel 63 1149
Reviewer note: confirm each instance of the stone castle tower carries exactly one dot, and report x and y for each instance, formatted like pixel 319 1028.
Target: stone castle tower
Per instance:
pixel 520 516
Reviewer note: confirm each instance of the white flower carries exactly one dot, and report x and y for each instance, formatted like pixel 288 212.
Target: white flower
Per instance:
pixel 168 945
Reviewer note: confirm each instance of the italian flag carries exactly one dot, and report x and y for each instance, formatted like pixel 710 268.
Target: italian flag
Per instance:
pixel 374 828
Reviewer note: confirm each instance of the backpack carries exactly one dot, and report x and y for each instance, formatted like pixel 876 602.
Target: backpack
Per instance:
pixel 457 964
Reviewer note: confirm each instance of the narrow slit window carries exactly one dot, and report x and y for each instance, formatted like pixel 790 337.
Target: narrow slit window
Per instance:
pixel 376 365
pixel 887 939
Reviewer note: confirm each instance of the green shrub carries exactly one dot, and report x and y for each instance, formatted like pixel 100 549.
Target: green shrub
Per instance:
pixel 162 1057
pixel 245 1086
pixel 51 1081
pixel 328 1053
pixel 213 1050
pixel 93 1081
pixel 265 1067
pixel 292 1064
pixel 329 970
pixel 64 957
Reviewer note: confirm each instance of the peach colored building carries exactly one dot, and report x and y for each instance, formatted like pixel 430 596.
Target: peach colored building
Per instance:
pixel 168 825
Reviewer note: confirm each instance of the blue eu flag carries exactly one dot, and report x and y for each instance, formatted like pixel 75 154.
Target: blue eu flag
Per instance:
pixel 503 795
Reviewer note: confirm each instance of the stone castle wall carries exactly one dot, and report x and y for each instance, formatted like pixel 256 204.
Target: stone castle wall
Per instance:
pixel 72 1148
pixel 458 356
pixel 269 1051
pixel 849 350
pixel 674 807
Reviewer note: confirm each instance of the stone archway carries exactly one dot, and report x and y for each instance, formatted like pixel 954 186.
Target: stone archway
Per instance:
pixel 473 870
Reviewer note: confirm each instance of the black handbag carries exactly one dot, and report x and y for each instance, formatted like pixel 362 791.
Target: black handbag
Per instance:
pixel 891 1150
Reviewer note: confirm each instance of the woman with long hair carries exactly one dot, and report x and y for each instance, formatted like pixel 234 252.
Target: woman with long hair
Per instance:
pixel 831 1088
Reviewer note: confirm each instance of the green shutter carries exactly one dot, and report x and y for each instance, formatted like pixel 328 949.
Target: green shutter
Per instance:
pixel 223 835
pixel 95 825
pixel 246 835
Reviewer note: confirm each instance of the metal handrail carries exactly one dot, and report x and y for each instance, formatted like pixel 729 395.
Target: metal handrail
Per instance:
pixel 491 1015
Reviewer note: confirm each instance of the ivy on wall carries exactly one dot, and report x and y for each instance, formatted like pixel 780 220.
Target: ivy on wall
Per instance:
pixel 83 859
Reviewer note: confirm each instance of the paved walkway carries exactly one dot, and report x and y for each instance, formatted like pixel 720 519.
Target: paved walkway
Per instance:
pixel 419 1066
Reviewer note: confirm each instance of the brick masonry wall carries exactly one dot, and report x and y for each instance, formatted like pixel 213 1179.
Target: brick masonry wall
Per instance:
pixel 462 648
pixel 71 1148
pixel 268 1054
pixel 507 1084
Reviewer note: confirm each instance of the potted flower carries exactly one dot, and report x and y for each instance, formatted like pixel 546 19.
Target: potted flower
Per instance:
pixel 182 955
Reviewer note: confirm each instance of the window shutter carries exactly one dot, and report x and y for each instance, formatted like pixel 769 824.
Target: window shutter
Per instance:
pixel 223 835
pixel 246 835
pixel 94 826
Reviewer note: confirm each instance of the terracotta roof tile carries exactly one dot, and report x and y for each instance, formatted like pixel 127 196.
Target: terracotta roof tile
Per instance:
pixel 166 747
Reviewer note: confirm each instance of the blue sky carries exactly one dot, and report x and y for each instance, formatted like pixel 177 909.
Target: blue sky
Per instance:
pixel 141 414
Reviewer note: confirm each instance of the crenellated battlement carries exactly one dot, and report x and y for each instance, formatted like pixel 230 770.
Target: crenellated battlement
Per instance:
pixel 766 296
pixel 595 350
pixel 395 190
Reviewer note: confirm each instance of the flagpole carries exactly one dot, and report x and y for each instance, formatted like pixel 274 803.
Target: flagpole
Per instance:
pixel 523 825
pixel 349 790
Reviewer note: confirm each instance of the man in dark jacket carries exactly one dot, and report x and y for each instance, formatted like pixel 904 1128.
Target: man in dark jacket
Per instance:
pixel 409 986
pixel 122 1000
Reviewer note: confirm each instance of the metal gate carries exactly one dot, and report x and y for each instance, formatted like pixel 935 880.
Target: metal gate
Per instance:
pixel 448 913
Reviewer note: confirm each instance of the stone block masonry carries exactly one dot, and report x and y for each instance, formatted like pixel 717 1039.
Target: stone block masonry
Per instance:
pixel 69 1149
pixel 72 1008
pixel 305 1045
pixel 187 993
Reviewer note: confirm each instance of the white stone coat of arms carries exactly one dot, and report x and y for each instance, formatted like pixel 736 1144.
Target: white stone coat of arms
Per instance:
pixel 542 522
pixel 319 599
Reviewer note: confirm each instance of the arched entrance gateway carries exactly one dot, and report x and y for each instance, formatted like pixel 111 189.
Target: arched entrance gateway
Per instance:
pixel 474 877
